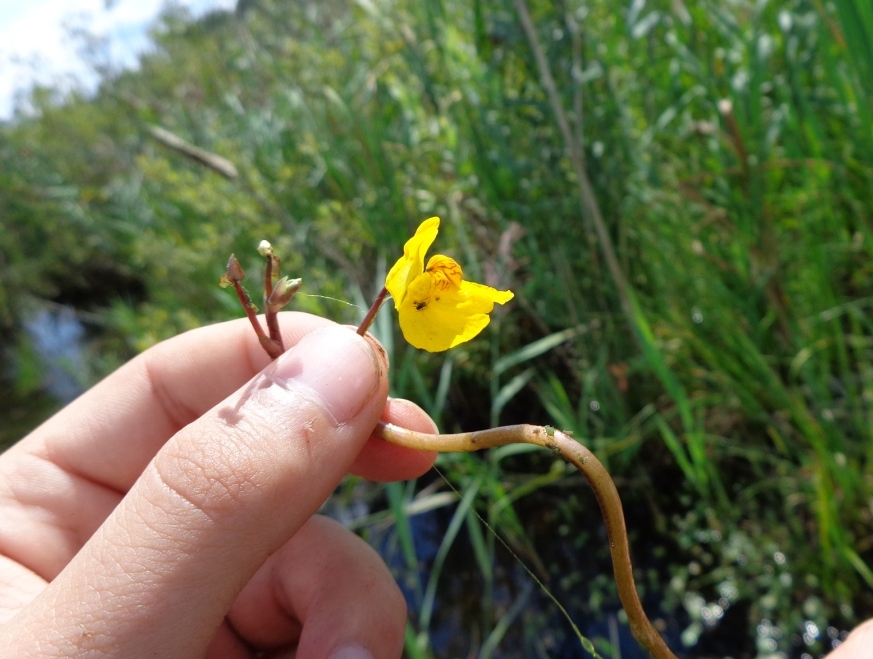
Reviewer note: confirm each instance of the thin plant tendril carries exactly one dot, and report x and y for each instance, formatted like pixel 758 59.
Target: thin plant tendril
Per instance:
pixel 584 641
pixel 335 299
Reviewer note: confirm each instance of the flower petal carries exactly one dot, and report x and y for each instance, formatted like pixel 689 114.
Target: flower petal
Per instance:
pixel 480 291
pixel 411 264
pixel 435 318
pixel 446 270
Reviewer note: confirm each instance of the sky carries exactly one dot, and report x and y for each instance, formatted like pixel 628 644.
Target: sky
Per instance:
pixel 35 44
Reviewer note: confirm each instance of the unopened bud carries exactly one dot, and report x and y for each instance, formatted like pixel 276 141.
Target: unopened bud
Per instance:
pixel 282 293
pixel 265 248
pixel 234 273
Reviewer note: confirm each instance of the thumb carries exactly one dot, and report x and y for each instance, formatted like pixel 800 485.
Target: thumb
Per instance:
pixel 221 496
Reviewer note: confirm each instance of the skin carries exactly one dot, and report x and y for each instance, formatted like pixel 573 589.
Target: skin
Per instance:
pixel 170 510
pixel 857 645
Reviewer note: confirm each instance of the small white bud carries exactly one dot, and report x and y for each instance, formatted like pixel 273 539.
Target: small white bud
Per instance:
pixel 265 248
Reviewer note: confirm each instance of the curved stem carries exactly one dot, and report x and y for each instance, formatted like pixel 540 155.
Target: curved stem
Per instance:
pixel 596 475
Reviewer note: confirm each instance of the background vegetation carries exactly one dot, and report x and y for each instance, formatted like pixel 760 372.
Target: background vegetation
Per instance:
pixel 679 193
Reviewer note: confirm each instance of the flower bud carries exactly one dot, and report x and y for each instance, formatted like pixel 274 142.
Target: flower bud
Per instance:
pixel 282 293
pixel 234 273
pixel 265 248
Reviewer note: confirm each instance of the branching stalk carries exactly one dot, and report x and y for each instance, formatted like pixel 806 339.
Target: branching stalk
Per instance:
pixel 275 297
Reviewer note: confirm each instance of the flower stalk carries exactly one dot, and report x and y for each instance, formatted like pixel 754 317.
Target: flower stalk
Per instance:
pixel 271 272
pixel 275 297
pixel 371 313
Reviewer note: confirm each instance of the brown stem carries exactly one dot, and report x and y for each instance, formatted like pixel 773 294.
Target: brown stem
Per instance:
pixel 233 277
pixel 371 314
pixel 211 160
pixel 596 475
pixel 268 275
pixel 275 332
pixel 590 207
pixel 273 349
pixel 271 272
pixel 272 315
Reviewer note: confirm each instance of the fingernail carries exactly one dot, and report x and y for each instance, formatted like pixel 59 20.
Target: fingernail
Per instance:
pixel 351 652
pixel 337 365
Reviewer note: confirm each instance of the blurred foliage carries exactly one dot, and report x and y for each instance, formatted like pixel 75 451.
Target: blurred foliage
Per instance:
pixel 729 390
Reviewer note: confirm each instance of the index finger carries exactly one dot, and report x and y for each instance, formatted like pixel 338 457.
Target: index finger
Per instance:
pixel 109 434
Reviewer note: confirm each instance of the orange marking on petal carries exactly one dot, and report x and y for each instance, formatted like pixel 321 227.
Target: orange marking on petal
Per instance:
pixel 446 272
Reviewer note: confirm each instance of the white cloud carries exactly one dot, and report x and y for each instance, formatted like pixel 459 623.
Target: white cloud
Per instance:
pixel 36 46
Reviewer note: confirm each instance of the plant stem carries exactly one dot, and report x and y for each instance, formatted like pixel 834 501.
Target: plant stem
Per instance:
pixel 371 314
pixel 268 275
pixel 251 310
pixel 248 306
pixel 593 471
pixel 590 207
pixel 271 315
pixel 275 333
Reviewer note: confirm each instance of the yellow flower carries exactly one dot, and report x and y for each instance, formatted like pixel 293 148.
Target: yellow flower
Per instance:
pixel 438 309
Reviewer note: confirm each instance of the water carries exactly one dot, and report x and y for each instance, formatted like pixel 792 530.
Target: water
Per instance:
pixel 58 337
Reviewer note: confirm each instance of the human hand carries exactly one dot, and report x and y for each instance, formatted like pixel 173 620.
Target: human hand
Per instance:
pixel 857 645
pixel 169 511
